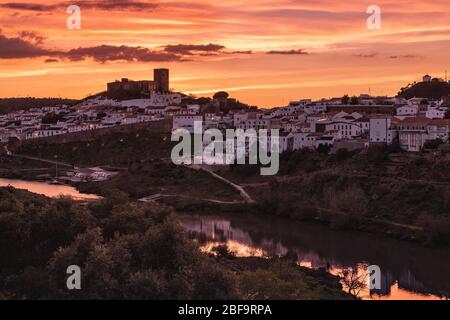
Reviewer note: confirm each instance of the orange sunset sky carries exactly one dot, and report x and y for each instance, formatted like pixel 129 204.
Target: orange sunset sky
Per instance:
pixel 264 52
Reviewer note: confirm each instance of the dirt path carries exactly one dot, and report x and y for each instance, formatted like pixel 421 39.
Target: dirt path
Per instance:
pixel 158 196
pixel 245 196
pixel 59 163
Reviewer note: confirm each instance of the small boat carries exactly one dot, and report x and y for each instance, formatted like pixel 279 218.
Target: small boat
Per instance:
pixel 55 182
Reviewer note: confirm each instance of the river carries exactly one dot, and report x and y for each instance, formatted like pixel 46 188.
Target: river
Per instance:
pixel 47 189
pixel 408 271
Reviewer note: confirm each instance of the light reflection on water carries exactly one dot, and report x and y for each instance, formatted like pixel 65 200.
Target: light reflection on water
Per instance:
pixel 409 272
pixel 49 190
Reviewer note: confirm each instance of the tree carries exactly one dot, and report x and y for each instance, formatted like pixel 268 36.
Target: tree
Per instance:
pixel 52 118
pixel 354 279
pixel 202 101
pixel 345 99
pixel 433 144
pixel 221 95
pixel 447 114
pixel 354 100
pixel 129 251
pixel 323 148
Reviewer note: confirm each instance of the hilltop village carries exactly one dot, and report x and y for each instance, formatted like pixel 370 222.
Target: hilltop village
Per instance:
pixel 337 123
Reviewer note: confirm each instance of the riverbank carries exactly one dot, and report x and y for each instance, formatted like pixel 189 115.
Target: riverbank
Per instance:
pixel 408 271
pixel 131 251
pixel 49 190
pixel 188 190
pixel 376 190
pixel 379 190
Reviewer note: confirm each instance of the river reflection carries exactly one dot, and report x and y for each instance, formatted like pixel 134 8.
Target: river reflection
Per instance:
pixel 408 270
pixel 46 189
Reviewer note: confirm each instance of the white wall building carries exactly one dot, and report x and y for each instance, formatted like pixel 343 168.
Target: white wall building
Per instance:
pixel 380 130
pixel 186 121
pixel 408 110
pixel 435 113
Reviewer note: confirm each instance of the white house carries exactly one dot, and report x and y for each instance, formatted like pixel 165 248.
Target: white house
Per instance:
pixel 186 121
pixel 155 110
pixel 346 129
pixel 212 120
pixel 286 141
pixel 380 130
pixel 243 116
pixel 435 112
pixel 407 110
pixel 364 124
pixel 412 133
pixel 412 140
pixel 45 132
pixel 255 124
pixel 426 78
pixel 303 140
pixel 195 108
pixel 439 129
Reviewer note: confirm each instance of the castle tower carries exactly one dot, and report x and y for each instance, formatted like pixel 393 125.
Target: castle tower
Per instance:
pixel 161 77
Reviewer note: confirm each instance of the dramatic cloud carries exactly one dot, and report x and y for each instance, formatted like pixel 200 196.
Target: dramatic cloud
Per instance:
pixel 243 52
pixel 28 6
pixel 84 4
pixel 288 52
pixel 117 4
pixel 365 55
pixel 32 36
pixel 106 53
pixel 28 45
pixel 258 37
pixel 190 49
pixel 404 56
pixel 17 47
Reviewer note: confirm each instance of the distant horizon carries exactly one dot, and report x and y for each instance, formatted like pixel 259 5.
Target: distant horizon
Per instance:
pixel 231 96
pixel 265 53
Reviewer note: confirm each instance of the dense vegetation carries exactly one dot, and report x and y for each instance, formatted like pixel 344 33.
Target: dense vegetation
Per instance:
pixel 127 251
pixel 377 190
pixel 124 250
pixel 430 90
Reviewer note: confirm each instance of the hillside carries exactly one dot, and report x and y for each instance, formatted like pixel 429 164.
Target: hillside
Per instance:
pixel 221 102
pixel 385 186
pixel 379 190
pixel 8 105
pixel 429 90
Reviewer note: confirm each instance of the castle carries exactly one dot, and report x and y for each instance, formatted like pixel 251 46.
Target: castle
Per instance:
pixel 160 83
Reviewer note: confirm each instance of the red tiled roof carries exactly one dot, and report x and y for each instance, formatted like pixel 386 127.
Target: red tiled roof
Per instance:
pixel 419 119
pixel 440 122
